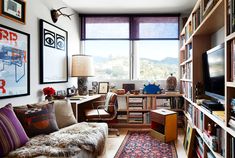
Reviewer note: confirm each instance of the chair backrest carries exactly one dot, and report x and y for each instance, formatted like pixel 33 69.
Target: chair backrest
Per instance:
pixel 111 99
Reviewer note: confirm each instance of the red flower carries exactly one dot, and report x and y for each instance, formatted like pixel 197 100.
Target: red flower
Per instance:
pixel 48 91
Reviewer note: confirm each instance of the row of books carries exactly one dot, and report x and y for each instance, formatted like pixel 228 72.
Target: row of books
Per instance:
pixel 231 16
pixel 196 116
pixel 187 89
pixel 188 31
pixel 187 71
pixel 199 147
pixel 216 139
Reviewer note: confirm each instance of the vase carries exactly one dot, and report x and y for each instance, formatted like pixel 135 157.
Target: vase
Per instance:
pixel 49 97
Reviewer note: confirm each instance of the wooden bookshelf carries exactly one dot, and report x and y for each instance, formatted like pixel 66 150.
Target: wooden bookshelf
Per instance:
pixel 201 39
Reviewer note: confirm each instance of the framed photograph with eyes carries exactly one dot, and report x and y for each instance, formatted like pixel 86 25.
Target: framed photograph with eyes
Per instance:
pixel 53 53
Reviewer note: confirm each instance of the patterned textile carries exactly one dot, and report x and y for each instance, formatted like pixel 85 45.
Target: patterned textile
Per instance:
pixel 39 120
pixel 12 134
pixel 66 142
pixel 138 144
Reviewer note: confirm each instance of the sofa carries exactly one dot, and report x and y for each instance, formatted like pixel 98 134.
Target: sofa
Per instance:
pixel 48 129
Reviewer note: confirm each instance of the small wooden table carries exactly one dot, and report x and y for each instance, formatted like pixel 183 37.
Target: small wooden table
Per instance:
pixel 164 124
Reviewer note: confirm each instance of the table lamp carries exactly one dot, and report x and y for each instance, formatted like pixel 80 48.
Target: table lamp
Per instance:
pixel 82 67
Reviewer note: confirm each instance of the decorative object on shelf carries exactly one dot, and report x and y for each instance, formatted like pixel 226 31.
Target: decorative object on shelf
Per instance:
pixel 103 87
pixel 53 53
pixel 15 63
pixel 171 83
pixel 95 87
pixel 48 92
pixel 56 13
pixel 135 92
pixel 128 87
pixel 152 89
pixel 13 10
pixel 90 92
pixel 82 67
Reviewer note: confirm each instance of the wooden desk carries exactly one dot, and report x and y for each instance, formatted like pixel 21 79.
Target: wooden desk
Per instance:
pixel 84 102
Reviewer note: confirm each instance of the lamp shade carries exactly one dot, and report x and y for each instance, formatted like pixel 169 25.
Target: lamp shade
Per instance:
pixel 82 66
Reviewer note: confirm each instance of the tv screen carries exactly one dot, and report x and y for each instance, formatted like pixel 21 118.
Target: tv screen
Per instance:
pixel 213 69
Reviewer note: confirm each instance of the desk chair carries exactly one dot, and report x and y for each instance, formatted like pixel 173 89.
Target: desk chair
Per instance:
pixel 104 110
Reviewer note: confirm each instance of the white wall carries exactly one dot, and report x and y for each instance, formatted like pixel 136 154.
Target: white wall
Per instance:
pixel 35 10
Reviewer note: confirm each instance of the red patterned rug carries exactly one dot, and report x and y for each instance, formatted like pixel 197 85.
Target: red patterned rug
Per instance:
pixel 140 144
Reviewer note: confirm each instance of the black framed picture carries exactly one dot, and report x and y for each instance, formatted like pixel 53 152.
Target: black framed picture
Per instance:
pixel 53 53
pixel 14 62
pixel 14 10
pixel 103 87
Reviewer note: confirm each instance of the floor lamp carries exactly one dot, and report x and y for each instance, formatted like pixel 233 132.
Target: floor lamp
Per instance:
pixel 82 67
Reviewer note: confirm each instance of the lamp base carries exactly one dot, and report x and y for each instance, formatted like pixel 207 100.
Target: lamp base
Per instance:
pixel 82 85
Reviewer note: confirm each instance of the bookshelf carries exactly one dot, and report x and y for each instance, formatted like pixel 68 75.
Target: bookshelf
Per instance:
pixel 134 110
pixel 207 18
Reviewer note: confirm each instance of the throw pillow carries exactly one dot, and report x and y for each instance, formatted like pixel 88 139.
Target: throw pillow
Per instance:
pixel 38 120
pixel 12 134
pixel 64 113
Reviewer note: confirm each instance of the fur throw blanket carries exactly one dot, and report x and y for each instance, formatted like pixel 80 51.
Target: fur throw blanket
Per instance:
pixel 66 142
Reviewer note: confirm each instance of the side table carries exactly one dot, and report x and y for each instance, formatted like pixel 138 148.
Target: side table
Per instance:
pixel 164 124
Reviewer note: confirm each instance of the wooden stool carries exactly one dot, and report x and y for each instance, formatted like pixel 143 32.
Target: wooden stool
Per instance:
pixel 164 124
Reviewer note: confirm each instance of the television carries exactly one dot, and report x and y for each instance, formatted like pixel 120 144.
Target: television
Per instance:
pixel 214 72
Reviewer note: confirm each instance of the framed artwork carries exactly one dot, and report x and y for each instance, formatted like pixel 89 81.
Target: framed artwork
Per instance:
pixel 103 87
pixel 14 62
pixel 53 53
pixel 189 140
pixel 14 10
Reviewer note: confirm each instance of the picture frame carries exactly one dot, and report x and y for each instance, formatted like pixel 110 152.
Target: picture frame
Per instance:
pixel 14 10
pixel 103 87
pixel 71 91
pixel 14 63
pixel 128 87
pixel 189 140
pixel 53 53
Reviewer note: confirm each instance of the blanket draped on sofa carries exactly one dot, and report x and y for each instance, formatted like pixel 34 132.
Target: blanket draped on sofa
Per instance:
pixel 66 142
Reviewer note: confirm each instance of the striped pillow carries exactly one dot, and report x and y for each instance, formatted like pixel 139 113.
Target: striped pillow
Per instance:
pixel 12 134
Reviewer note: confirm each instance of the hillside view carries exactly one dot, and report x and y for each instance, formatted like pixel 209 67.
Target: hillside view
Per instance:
pixel 118 68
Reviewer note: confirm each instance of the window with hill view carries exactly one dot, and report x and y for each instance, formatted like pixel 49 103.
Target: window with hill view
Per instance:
pixel 132 47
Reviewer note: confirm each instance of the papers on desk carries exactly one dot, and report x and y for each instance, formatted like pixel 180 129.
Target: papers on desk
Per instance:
pixel 77 97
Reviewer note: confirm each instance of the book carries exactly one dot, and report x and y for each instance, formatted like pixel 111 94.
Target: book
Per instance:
pixel 219 114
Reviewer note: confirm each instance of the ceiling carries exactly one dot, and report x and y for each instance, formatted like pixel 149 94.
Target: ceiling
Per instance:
pixel 131 6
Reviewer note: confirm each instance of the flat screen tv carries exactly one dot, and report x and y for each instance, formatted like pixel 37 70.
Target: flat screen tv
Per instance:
pixel 214 72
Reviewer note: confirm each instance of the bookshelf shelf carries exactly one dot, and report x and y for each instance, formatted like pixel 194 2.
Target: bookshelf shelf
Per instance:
pixel 230 84
pixel 186 61
pixel 186 80
pixel 230 37
pixel 213 21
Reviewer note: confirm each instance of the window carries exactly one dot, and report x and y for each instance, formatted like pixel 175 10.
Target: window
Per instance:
pixel 132 47
pixel 156 59
pixel 111 58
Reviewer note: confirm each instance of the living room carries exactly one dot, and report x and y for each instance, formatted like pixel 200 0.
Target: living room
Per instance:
pixel 148 56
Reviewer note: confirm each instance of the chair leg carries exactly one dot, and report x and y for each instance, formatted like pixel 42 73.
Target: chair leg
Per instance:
pixel 114 130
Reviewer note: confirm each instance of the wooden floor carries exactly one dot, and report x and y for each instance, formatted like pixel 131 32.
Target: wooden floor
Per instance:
pixel 114 142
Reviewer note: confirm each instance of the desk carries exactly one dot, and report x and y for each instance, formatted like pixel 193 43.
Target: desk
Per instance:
pixel 82 103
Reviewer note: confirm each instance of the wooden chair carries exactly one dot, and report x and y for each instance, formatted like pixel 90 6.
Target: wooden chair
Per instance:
pixel 104 110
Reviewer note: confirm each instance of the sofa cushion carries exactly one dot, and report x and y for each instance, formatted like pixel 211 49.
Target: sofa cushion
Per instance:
pixel 12 134
pixel 38 120
pixel 64 113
